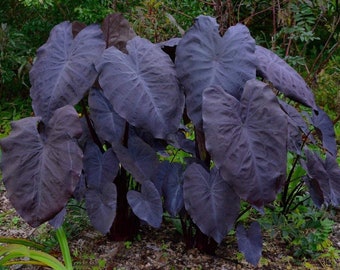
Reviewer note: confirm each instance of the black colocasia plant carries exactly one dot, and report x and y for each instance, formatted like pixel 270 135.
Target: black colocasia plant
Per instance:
pixel 136 101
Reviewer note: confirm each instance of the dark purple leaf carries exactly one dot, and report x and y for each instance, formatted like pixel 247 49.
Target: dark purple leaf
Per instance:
pixel 108 124
pixel 172 178
pixel 101 204
pixel 77 27
pixel 284 78
pixel 204 58
pixel 41 167
pixel 101 196
pixel 327 175
pixel 159 145
pixel 250 242
pixel 247 140
pixel 169 47
pixel 295 116
pixel 315 191
pixel 173 42
pixel 80 190
pixel 99 168
pixel 333 170
pixel 179 141
pixel 296 127
pixel 210 201
pixel 139 158
pixel 58 220
pixel 294 142
pixel 64 69
pixel 142 86
pixel 325 128
pixel 86 134
pixel 147 204
pixel 117 31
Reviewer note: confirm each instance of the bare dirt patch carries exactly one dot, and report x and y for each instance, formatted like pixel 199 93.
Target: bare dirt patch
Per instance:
pixel 158 249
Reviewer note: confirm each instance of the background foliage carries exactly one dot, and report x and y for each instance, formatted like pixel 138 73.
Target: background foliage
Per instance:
pixel 304 32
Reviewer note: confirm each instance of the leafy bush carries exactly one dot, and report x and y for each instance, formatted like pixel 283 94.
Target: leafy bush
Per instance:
pixel 14 61
pixel 139 103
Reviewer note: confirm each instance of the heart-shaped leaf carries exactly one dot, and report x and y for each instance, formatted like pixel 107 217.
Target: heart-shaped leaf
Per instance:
pixel 101 204
pixel 64 68
pixel 142 86
pixel 285 79
pixel 99 167
pixel 117 31
pixel 250 242
pixel 42 166
pixel 108 124
pixel 172 178
pixel 204 58
pixel 147 204
pixel 101 195
pixel 247 140
pixel 210 201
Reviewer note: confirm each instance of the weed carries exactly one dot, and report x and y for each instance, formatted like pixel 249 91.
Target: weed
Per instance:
pixel 127 244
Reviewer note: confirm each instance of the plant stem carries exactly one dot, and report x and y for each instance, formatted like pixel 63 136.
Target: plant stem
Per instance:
pixel 285 191
pixel 291 197
pixel 93 133
pixel 242 213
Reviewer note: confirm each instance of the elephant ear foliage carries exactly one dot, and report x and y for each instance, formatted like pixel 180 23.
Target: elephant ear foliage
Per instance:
pixel 172 187
pixel 204 58
pixel 147 204
pixel 250 242
pixel 284 78
pixel 210 201
pixel 117 31
pixel 101 195
pixel 142 86
pixel 247 140
pixel 323 178
pixel 108 124
pixel 41 165
pixel 64 69
pixel 325 129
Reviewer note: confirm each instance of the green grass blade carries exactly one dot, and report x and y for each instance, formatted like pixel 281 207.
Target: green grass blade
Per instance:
pixel 25 262
pixel 13 251
pixel 62 239
pixel 24 242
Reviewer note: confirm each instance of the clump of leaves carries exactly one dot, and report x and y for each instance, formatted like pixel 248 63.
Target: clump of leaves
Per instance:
pixel 139 102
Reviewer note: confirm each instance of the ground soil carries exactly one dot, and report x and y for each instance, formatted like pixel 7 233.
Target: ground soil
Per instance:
pixel 159 249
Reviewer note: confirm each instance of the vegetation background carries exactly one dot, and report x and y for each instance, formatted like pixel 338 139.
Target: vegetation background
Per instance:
pixel 303 32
